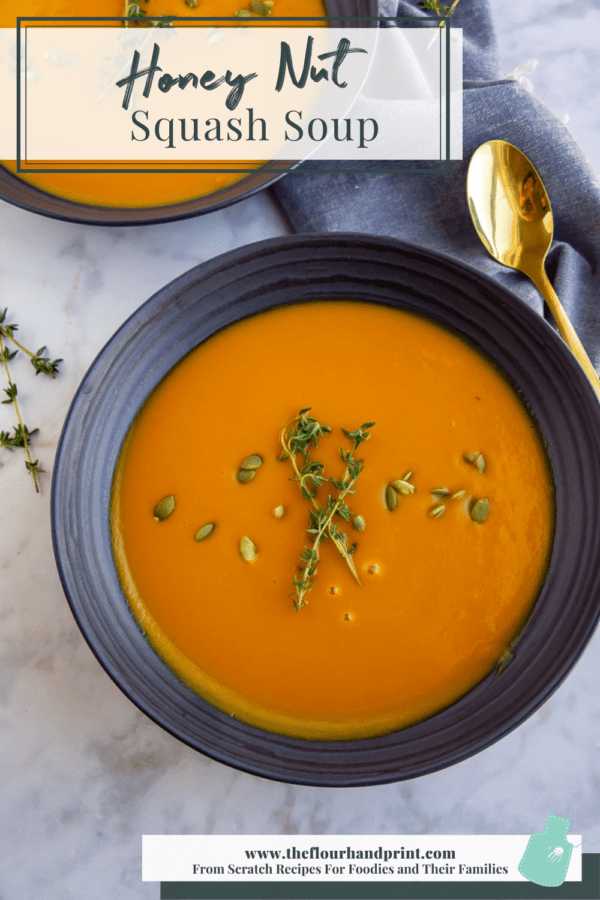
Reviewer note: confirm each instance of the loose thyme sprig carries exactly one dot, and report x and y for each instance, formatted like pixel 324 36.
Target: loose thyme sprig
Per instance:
pixel 298 437
pixel 42 364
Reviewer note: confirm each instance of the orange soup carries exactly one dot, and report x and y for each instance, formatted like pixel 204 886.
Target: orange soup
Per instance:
pixel 450 519
pixel 144 189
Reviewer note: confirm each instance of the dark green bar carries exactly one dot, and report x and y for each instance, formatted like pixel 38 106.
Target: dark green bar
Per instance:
pixel 586 889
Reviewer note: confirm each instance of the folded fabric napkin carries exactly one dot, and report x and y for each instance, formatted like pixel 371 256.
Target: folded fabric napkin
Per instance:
pixel 431 210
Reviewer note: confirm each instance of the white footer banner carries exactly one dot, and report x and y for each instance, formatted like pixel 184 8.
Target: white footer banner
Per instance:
pixel 372 858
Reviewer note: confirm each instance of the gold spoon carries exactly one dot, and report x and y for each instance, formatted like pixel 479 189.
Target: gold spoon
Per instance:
pixel 512 216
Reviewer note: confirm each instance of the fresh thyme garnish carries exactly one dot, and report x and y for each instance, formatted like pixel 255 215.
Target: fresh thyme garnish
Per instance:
pixel 298 437
pixel 22 435
pixel 439 9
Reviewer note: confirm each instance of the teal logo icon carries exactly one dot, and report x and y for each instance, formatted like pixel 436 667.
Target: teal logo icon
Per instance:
pixel 548 854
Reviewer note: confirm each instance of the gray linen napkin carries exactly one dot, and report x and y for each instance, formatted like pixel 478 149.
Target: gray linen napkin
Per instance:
pixel 431 210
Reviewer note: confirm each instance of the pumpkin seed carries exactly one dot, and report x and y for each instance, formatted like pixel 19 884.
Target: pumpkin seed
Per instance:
pixel 458 495
pixel 243 13
pixel 437 511
pixel 247 549
pixel 279 511
pixel 191 3
pixel 440 492
pixel 391 498
pixel 252 462
pixel 358 523
pixel 407 477
pixel 204 531
pixel 403 487
pixel 164 508
pixel 476 459
pixel 245 475
pixel 504 661
pixel 480 510
pixel 260 8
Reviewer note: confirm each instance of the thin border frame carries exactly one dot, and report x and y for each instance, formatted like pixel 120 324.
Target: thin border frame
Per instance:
pixel 445 170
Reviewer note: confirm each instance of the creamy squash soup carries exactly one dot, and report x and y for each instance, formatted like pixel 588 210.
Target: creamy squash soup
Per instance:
pixel 149 189
pixel 333 519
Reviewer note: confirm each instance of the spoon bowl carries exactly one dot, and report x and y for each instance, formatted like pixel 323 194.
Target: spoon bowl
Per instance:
pixel 513 217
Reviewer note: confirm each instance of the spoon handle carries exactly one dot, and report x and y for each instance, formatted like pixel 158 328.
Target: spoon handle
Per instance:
pixel 568 333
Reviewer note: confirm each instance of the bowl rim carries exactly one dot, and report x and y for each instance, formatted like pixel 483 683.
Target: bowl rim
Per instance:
pixel 550 343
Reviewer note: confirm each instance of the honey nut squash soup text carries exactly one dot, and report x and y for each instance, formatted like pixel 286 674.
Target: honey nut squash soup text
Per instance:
pixel 140 189
pixel 427 568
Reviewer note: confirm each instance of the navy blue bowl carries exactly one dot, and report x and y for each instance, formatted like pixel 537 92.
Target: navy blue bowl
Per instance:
pixel 20 193
pixel 300 269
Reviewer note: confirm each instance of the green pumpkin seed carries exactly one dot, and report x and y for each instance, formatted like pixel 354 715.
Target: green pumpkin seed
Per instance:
pixel 164 508
pixel 476 459
pixel 191 3
pixel 403 487
pixel 458 495
pixel 260 8
pixel 204 532
pixel 252 462
pixel 279 512
pixel 480 510
pixel 437 511
pixel 358 523
pixel 504 661
pixel 391 498
pixel 245 475
pixel 407 477
pixel 247 549
pixel 440 492
pixel 243 13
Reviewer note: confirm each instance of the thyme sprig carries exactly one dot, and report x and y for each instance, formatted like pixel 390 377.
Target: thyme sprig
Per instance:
pixel 22 435
pixel 298 437
pixel 439 9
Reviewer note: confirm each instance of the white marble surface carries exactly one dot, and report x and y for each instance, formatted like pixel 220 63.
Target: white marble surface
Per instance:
pixel 84 774
pixel 561 37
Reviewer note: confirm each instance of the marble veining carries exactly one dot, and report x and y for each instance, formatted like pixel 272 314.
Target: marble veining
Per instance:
pixel 84 774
